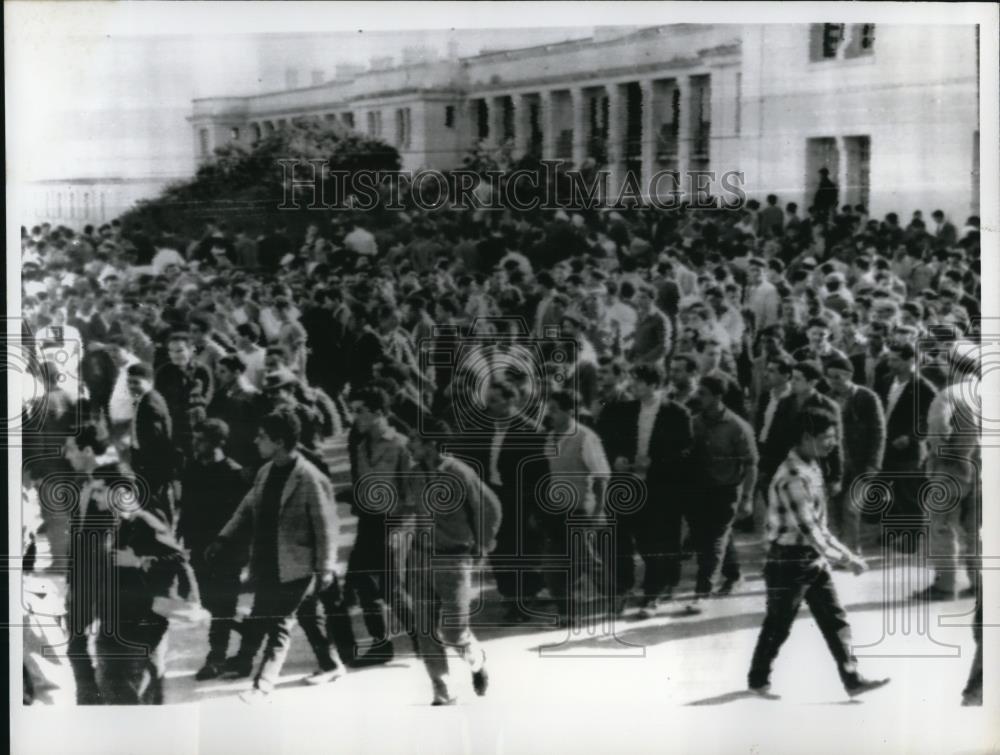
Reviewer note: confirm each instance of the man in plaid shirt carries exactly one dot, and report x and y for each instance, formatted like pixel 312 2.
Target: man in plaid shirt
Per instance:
pixel 798 562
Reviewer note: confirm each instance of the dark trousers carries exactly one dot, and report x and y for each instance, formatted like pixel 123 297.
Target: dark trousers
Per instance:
pixel 375 575
pixel 336 638
pixel 794 573
pixel 710 514
pixel 517 537
pixel 559 530
pixel 274 612
pixel 219 589
pixel 131 664
pixel 654 532
pixel 974 686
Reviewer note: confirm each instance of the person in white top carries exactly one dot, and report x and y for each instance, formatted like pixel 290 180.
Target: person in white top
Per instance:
pixel 361 241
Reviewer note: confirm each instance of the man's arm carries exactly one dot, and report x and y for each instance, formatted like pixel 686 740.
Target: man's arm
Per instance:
pixel 321 508
pixel 817 534
pixel 486 511
pixel 874 423
pixel 746 447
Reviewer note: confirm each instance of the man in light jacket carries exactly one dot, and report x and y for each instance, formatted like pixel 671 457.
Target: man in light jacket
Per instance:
pixel 290 514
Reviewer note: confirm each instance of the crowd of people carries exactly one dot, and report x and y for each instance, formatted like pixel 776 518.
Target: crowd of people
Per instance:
pixel 499 379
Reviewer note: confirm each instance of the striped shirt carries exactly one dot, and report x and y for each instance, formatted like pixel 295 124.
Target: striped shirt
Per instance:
pixel 796 508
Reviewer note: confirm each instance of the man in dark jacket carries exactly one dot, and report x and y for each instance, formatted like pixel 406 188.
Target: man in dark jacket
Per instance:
pixel 238 405
pixel 781 438
pixel 153 456
pixel 907 399
pixel 864 443
pixel 507 452
pixel 183 383
pixel 649 438
pixel 211 488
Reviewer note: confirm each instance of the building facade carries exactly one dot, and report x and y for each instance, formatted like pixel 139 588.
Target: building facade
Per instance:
pixel 890 111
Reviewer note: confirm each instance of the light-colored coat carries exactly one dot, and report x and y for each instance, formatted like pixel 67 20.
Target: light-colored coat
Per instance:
pixel 307 533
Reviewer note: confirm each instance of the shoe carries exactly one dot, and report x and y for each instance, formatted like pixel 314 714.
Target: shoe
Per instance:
pixel 865 685
pixel 647 609
pixel 374 657
pixel 255 696
pixel 210 670
pixel 762 690
pixel 236 668
pixel 972 700
pixel 480 681
pixel 730 586
pixel 445 701
pixel 968 592
pixel 695 607
pixel 325 677
pixel 935 593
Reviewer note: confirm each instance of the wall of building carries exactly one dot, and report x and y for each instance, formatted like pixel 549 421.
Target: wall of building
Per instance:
pixel 83 202
pixel 915 97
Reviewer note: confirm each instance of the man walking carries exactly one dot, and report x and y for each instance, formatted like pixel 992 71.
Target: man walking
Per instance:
pixel 290 511
pixel 462 531
pixel 211 489
pixel 798 562
pixel 724 473
pixel 864 443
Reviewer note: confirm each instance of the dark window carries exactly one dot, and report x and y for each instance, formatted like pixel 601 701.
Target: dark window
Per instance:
pixel 449 116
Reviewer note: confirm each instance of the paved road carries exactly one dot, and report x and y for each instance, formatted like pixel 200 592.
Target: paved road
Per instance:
pixel 674 658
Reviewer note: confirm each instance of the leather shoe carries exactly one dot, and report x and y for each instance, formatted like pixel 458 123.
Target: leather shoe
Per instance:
pixel 863 685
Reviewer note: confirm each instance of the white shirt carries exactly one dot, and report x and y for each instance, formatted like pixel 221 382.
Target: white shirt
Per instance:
pixel 772 406
pixel 647 417
pixel 498 435
pixel 362 242
pixel 592 452
pixel 895 391
pixel 121 406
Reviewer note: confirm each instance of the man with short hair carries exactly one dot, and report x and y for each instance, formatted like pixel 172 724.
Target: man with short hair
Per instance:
pixel 781 436
pixel 239 405
pixel 212 486
pixel 380 461
pixel 579 470
pixel 152 453
pixel 761 296
pixel 798 562
pixel 290 516
pixel 653 336
pixel 864 443
pixel 463 532
pixel 650 439
pixel 183 382
pixel 907 400
pixel 723 473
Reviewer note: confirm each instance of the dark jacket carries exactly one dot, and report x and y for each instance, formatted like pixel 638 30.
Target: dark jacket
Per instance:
pixel 864 431
pixel 781 438
pixel 155 460
pixel 240 410
pixel 210 494
pixel 669 443
pixel 909 418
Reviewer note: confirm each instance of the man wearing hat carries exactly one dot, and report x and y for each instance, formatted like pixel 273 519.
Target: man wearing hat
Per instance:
pixel 864 443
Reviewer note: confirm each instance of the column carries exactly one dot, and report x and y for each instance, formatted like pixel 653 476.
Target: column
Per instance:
pixel 522 124
pixel 616 135
pixel 496 121
pixel 842 173
pixel 648 135
pixel 581 148
pixel 549 135
pixel 684 135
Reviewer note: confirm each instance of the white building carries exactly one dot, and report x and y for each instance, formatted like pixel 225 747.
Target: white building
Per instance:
pixel 891 111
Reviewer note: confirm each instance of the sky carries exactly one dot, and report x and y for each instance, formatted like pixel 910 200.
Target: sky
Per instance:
pixel 114 104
